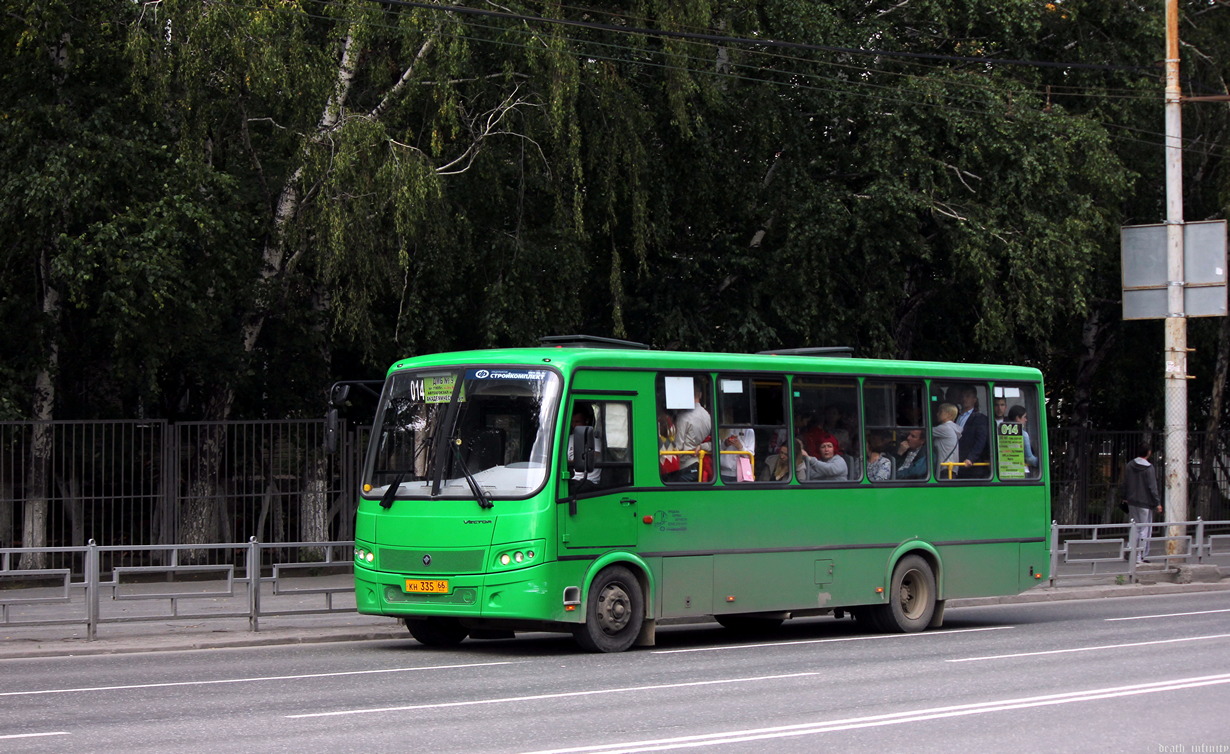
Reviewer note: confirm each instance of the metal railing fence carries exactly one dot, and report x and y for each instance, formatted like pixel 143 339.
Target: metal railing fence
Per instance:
pixel 233 585
pixel 1086 467
pixel 1100 551
pixel 63 483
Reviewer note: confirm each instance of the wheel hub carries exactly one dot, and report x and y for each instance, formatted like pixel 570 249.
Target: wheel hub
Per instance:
pixel 614 609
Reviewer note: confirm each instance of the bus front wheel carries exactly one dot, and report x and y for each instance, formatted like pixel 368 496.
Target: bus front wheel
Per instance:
pixel 614 612
pixel 911 598
pixel 437 632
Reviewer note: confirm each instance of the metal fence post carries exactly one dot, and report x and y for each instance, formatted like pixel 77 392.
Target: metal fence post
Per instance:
pixel 1054 552
pixel 1199 539
pixel 1133 549
pixel 91 590
pixel 254 584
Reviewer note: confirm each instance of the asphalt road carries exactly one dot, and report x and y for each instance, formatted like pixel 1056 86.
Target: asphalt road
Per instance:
pixel 1140 674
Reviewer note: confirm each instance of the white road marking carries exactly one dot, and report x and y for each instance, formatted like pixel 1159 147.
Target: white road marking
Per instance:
pixel 895 718
pixel 561 695
pixel 259 679
pixel 34 735
pixel 1170 615
pixel 1092 649
pixel 865 637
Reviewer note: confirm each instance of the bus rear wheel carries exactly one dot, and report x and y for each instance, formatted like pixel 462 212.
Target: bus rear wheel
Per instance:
pixel 437 632
pixel 911 598
pixel 614 612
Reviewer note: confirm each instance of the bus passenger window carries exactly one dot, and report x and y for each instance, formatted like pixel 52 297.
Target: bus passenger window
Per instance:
pixel 826 421
pixel 961 431
pixel 685 429
pixel 1017 432
pixel 896 447
pixel 752 413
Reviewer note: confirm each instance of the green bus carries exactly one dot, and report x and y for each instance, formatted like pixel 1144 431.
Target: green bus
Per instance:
pixel 596 487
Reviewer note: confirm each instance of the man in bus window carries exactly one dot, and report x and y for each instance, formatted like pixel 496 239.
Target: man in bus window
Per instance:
pixel 913 464
pixel 693 431
pixel 974 446
pixel 1000 404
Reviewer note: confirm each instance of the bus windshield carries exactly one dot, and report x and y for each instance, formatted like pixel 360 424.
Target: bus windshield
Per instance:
pixel 463 433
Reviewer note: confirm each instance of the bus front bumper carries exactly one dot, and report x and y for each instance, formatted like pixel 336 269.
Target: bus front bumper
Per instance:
pixel 528 594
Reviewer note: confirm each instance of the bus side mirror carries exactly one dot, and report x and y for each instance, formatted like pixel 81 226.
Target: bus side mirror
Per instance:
pixel 331 430
pixel 338 395
pixel 582 450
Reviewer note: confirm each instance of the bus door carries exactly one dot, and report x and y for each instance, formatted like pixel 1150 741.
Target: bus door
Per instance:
pixel 596 502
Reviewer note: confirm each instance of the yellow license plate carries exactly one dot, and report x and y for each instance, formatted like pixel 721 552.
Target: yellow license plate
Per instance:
pixel 427 586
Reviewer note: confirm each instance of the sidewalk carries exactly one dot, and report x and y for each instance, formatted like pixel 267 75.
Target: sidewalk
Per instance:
pixel 217 633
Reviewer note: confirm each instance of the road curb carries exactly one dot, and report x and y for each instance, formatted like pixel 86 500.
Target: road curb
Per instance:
pixel 1056 594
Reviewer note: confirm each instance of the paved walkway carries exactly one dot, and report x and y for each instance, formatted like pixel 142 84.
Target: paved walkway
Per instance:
pixel 207 632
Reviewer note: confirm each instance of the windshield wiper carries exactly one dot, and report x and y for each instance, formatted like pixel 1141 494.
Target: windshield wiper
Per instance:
pixel 479 495
pixel 386 500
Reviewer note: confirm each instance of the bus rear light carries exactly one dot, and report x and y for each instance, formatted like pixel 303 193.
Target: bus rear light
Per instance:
pixel 570 608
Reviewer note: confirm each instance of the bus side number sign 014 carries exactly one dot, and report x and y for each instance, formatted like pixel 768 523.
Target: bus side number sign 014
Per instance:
pixel 427 586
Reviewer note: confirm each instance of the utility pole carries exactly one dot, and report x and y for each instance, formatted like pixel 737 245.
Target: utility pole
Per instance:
pixel 1176 319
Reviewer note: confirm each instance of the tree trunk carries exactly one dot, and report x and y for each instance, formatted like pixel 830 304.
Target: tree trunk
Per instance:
pixel 38 472
pixel 314 505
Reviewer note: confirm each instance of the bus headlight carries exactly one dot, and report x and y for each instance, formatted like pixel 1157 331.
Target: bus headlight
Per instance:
pixel 517 555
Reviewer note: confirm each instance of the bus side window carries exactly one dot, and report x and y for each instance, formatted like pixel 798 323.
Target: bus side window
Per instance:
pixel 752 426
pixel 685 429
pixel 962 433
pixel 896 447
pixel 826 414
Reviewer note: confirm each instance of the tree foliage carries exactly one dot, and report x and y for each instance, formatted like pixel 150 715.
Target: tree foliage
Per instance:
pixel 242 201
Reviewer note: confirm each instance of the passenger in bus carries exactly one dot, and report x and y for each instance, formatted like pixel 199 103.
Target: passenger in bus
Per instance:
pixel 974 445
pixel 583 416
pixel 1018 415
pixel 829 467
pixel 913 455
pixel 945 436
pixel 693 432
pixel 736 466
pixel 1000 405
pixel 879 461
pixel 777 466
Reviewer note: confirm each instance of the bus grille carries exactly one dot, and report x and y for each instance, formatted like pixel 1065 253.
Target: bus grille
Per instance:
pixel 441 561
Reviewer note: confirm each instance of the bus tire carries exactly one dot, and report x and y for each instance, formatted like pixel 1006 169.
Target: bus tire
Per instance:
pixel 614 612
pixel 437 632
pixel 911 597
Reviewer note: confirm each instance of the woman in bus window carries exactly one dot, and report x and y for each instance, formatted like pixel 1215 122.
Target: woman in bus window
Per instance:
pixel 1018 415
